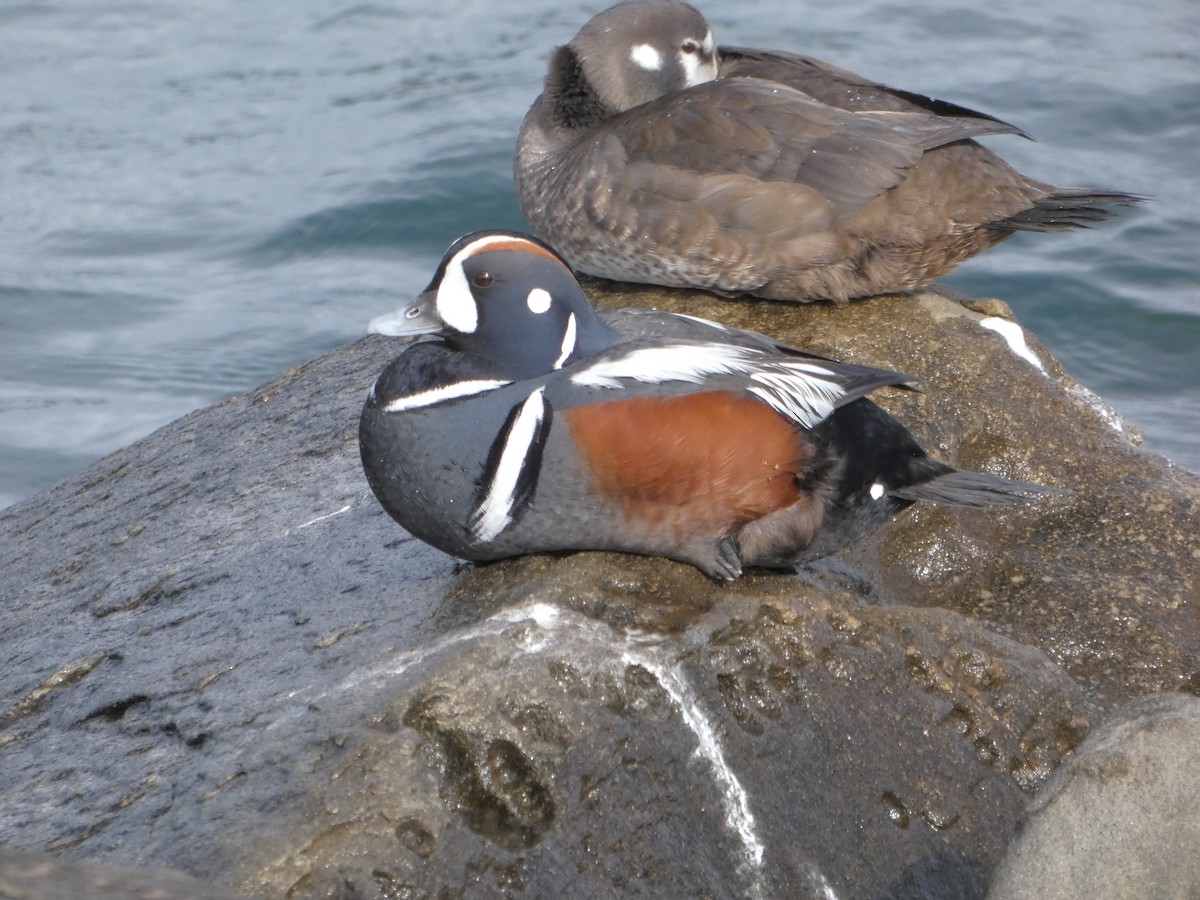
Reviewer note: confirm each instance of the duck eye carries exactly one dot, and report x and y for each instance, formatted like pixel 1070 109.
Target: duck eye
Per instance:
pixel 690 46
pixel 483 279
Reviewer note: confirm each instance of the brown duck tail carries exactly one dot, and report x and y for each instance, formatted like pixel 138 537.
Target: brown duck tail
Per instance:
pixel 1065 208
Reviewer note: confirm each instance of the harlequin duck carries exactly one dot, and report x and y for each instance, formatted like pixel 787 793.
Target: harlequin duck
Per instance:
pixel 653 157
pixel 534 422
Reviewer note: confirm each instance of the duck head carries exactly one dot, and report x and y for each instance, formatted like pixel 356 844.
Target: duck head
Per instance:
pixel 508 299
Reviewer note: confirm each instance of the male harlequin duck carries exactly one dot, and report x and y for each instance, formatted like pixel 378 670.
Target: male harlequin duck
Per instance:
pixel 653 157
pixel 537 423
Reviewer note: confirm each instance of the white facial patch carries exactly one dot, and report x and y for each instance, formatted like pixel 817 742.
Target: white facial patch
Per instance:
pixel 538 300
pixel 876 491
pixel 495 511
pixel 568 343
pixel 646 56
pixel 455 302
pixel 699 68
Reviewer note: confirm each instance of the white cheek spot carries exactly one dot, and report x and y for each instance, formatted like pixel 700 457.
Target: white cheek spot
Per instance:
pixel 538 300
pixel 646 57
pixel 1012 333
pixel 876 491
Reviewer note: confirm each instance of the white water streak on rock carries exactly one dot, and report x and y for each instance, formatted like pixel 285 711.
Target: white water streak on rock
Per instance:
pixel 336 512
pixel 1015 336
pixel 636 651
pixel 738 816
pixel 826 888
pixel 545 615
pixel 1100 407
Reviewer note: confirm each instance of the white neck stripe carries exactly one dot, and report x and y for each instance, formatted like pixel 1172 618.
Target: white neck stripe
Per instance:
pixel 495 510
pixel 568 343
pixel 442 394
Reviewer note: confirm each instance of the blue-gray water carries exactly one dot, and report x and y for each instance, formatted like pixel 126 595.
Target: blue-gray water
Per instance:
pixel 196 196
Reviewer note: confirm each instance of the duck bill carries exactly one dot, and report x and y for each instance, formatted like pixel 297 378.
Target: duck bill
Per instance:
pixel 418 316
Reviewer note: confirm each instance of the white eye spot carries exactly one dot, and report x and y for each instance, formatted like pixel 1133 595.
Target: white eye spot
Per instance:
pixel 708 44
pixel 646 57
pixel 876 491
pixel 538 300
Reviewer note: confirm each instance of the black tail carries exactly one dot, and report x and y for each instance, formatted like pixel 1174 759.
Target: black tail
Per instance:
pixel 1066 208
pixel 978 489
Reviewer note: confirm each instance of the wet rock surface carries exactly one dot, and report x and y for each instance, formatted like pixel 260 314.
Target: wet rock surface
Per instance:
pixel 33 875
pixel 1120 552
pixel 731 758
pixel 220 655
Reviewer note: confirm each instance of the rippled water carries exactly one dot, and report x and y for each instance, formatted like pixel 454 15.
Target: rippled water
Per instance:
pixel 196 196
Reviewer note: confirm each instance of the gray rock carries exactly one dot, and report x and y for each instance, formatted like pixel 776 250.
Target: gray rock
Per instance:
pixel 1120 818
pixel 221 655
pixel 33 876
pixel 1107 582
pixel 779 741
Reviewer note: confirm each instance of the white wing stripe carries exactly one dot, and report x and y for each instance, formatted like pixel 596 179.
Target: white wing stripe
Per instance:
pixel 655 365
pixel 495 510
pixel 805 392
pixel 709 322
pixel 800 397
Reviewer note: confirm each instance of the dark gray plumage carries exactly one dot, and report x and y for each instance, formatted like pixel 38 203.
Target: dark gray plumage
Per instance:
pixel 538 423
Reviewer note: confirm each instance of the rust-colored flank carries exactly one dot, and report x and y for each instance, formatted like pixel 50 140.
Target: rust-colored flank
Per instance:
pixel 710 461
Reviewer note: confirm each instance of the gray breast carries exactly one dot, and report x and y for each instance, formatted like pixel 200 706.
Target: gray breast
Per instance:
pixel 437 470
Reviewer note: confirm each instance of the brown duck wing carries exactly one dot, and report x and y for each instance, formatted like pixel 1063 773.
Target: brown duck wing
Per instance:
pixel 738 142
pixel 840 87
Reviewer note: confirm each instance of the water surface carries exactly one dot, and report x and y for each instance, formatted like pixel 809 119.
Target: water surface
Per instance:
pixel 196 197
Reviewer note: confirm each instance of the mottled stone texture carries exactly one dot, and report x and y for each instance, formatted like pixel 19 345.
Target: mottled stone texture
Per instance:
pixel 26 876
pixel 220 655
pixel 1119 819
